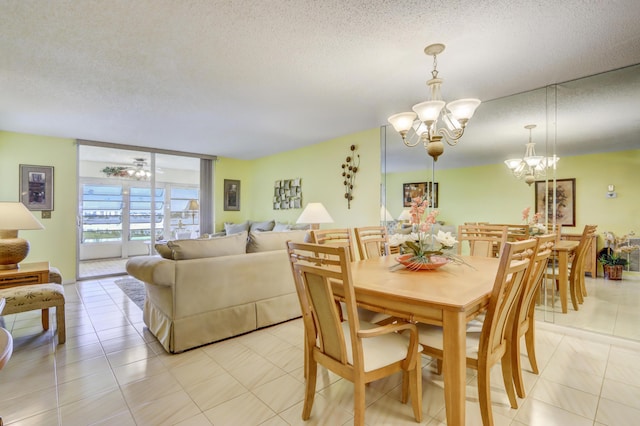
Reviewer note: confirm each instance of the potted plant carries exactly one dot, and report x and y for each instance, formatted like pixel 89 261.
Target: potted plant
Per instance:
pixel 611 257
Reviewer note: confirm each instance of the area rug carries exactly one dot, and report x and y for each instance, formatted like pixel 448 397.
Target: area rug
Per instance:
pixel 134 290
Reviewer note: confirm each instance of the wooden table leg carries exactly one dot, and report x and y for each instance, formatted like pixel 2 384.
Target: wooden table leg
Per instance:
pixel 563 274
pixel 454 366
pixel 45 319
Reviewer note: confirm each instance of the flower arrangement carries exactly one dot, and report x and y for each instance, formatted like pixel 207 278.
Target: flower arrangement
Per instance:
pixel 535 227
pixel 422 246
pixel 615 247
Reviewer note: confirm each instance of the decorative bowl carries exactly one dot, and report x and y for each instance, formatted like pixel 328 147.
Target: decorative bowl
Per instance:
pixel 436 262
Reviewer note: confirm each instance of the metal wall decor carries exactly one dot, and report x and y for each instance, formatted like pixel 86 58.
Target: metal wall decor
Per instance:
pixel 287 194
pixel 349 170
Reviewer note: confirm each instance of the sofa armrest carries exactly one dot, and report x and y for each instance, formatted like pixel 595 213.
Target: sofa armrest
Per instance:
pixel 152 270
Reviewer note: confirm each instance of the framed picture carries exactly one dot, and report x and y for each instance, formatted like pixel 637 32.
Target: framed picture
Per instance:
pixel 36 187
pixel 565 200
pixel 231 194
pixel 419 189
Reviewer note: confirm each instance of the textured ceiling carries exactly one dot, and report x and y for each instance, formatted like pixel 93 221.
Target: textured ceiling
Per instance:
pixel 250 78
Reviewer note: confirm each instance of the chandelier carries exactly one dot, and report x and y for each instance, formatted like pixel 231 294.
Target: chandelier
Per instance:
pixel 138 171
pixel 422 124
pixel 531 166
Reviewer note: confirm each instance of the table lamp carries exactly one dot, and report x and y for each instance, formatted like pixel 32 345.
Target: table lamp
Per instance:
pixel 193 207
pixel 314 214
pixel 14 216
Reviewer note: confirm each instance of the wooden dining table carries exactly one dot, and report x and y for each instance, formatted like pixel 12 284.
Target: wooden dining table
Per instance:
pixel 563 250
pixel 449 296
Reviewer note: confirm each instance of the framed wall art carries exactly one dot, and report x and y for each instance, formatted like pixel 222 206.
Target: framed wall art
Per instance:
pixel 419 189
pixel 565 200
pixel 231 195
pixel 36 187
pixel 287 194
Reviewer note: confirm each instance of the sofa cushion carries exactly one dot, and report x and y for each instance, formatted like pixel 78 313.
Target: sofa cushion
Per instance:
pixel 279 227
pixel 213 247
pixel 262 226
pixel 269 241
pixel 236 228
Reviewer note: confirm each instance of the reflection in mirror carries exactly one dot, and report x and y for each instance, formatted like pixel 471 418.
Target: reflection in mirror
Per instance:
pixel 594 115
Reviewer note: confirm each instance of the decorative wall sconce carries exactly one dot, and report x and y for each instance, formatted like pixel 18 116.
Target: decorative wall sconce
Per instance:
pixel 349 170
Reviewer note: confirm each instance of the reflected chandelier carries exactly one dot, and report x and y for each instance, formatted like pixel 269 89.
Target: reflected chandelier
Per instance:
pixel 454 115
pixel 531 166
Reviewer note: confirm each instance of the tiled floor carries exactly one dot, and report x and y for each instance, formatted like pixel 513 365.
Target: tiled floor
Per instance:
pixel 111 371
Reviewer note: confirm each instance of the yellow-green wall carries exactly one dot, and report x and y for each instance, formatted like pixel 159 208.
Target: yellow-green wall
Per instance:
pixel 57 242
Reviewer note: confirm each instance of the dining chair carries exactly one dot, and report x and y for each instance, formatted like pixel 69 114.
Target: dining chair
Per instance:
pixel 335 238
pixel 515 232
pixel 482 240
pixel 372 241
pixel 358 351
pixel 576 268
pixel 524 321
pixel 489 346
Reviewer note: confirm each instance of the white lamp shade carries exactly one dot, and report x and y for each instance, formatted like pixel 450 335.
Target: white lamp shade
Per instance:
pixel 405 215
pixel 403 121
pixel 428 111
pixel 315 213
pixel 15 216
pixel 534 161
pixel 463 109
pixel 385 216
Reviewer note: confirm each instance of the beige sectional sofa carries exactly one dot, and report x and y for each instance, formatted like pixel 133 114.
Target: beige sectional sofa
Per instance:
pixel 202 291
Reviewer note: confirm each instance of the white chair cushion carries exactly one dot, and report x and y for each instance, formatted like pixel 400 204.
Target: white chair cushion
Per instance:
pixel 378 351
pixel 431 335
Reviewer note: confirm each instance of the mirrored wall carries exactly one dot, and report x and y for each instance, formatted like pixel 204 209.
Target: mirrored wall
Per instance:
pixel 580 119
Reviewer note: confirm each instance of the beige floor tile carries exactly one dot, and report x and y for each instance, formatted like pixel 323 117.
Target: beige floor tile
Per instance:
pixel 256 372
pixel 149 389
pixel 622 393
pixel 215 391
pixel 575 401
pixel 281 393
pixel 94 409
pixel 245 409
pixel 166 410
pixel 538 413
pixel 86 386
pixel 16 406
pixel 139 370
pixel 615 413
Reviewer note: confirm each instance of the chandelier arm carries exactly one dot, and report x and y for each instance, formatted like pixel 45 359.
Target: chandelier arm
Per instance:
pixel 450 137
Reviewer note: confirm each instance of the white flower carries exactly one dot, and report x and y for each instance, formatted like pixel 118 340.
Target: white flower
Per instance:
pixel 446 239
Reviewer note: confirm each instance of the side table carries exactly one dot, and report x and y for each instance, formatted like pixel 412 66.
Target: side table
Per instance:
pixel 27 273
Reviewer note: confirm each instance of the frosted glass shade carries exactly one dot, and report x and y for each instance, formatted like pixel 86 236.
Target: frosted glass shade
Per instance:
pixel 403 121
pixel 428 111
pixel 463 109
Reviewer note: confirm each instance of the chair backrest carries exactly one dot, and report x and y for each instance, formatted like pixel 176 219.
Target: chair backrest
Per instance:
pixel 482 240
pixel 334 238
pixel 316 269
pixel 515 232
pixel 577 264
pixel 515 260
pixel 543 251
pixel 372 241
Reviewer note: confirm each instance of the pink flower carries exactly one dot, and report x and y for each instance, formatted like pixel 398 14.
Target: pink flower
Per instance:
pixel 525 213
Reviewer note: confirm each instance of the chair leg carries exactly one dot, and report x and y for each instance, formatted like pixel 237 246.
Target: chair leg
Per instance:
pixel 507 378
pixel 310 390
pixel 45 319
pixel 61 326
pixel 405 386
pixel 358 401
pixel 514 347
pixel 438 367
pixel 415 383
pixel 530 341
pixel 484 394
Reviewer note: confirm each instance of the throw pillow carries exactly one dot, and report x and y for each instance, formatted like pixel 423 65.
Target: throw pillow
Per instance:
pixel 233 228
pixel 279 227
pixel 262 226
pixel 213 247
pixel 269 241
pixel 164 250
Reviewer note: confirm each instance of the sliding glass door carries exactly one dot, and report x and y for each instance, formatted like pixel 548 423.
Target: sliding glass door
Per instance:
pixel 128 200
